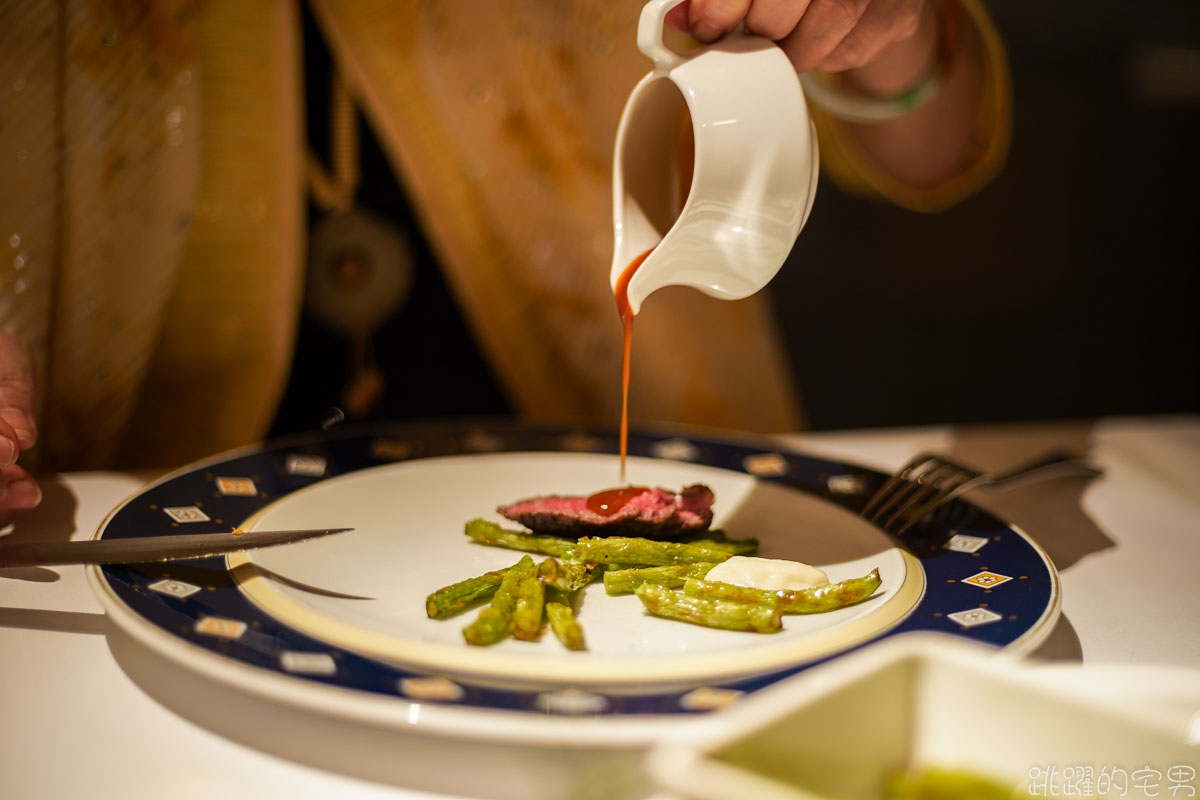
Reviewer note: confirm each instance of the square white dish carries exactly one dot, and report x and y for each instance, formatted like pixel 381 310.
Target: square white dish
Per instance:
pixel 925 700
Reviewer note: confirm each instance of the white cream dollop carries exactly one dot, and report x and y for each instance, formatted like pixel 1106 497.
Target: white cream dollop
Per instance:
pixel 767 573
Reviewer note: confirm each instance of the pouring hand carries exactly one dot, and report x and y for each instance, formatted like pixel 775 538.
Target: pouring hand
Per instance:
pixel 881 49
pixel 18 431
pixel 830 35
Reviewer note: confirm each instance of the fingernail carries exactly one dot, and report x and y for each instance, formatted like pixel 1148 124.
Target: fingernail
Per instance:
pixel 8 451
pixel 35 495
pixel 23 495
pixel 22 423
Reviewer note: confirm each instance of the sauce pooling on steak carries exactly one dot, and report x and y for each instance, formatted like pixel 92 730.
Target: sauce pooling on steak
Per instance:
pixel 610 501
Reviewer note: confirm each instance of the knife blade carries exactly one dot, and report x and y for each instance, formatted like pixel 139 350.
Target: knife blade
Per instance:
pixel 149 548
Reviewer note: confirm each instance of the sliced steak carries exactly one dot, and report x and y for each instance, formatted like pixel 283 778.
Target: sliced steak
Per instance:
pixel 651 513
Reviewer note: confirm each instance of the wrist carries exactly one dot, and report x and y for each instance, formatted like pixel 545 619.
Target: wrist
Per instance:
pixel 904 77
pixel 904 64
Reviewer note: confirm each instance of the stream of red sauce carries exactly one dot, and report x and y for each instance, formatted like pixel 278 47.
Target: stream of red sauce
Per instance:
pixel 621 290
pixel 610 501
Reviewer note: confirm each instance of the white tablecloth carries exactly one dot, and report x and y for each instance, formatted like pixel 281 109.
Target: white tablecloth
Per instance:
pixel 74 725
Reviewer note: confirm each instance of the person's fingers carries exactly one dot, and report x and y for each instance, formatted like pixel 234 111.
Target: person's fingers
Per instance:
pixel 677 17
pixel 19 492
pixel 774 20
pixel 883 23
pixel 822 28
pixel 831 35
pixel 10 444
pixel 709 20
pixel 17 394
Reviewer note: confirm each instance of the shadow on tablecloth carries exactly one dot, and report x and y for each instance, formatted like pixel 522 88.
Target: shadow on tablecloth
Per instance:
pixel 1051 511
pixel 52 521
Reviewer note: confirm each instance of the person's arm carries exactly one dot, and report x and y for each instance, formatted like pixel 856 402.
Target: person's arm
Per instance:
pixel 18 430
pixel 877 49
pixel 934 143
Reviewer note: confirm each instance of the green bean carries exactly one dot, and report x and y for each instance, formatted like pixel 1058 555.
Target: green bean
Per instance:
pixel 494 622
pixel 527 615
pixel 643 552
pixel 725 614
pixel 547 571
pixel 450 600
pixel 571 575
pixel 717 540
pixel 735 547
pixel 672 576
pixel 790 601
pixel 489 533
pixel 560 612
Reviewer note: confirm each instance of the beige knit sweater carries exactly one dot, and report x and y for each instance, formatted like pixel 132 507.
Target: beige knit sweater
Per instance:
pixel 152 231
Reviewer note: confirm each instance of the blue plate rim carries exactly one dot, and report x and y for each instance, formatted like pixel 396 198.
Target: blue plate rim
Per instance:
pixel 196 601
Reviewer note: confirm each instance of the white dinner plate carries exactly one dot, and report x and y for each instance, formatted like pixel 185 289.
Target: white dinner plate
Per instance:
pixel 408 540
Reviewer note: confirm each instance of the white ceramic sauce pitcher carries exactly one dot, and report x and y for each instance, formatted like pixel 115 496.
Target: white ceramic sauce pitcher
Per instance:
pixel 754 174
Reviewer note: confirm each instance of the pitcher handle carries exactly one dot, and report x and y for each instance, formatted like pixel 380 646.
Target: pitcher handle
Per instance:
pixel 650 35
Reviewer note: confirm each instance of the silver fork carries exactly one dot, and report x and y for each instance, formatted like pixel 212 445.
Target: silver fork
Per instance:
pixel 929 481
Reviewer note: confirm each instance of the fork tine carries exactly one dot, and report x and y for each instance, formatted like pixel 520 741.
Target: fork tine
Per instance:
pixel 885 495
pixel 924 486
pixel 899 486
pixel 947 483
pixel 919 487
pixel 899 497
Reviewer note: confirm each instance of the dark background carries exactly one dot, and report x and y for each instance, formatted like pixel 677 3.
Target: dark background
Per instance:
pixel 1066 289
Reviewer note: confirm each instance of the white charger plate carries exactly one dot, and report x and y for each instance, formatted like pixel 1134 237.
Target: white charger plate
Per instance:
pixel 409 489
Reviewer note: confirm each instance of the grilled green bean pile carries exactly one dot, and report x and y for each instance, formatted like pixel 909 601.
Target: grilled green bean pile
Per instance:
pixel 527 598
